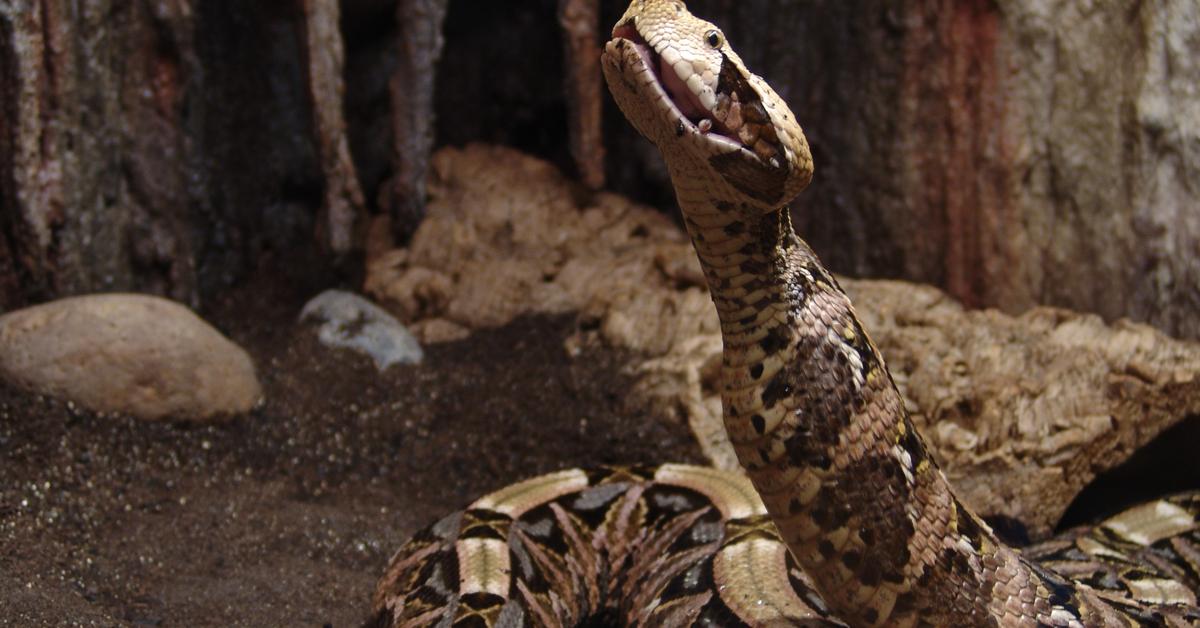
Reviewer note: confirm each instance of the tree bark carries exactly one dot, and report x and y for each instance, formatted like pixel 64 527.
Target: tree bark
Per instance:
pixel 89 200
pixel 579 20
pixel 1014 152
pixel 343 197
pixel 166 146
pixel 412 105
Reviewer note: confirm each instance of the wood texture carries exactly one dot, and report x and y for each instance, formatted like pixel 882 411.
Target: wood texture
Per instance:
pixel 343 197
pixel 93 148
pixel 579 20
pixel 169 146
pixel 419 33
pixel 1014 152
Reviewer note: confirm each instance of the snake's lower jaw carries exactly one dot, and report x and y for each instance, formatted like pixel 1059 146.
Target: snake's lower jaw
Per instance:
pixel 627 68
pixel 618 54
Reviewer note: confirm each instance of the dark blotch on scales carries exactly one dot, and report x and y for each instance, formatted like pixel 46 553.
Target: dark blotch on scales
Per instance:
pixel 776 390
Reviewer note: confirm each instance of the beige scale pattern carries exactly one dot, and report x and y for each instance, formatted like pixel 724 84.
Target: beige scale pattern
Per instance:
pixel 856 524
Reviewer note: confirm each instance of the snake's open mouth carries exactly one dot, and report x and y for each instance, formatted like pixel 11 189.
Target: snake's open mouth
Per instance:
pixel 730 112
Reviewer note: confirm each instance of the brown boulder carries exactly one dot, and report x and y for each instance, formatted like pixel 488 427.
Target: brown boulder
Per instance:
pixel 127 353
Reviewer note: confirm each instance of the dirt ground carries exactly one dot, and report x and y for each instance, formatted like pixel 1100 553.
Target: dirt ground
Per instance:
pixel 287 516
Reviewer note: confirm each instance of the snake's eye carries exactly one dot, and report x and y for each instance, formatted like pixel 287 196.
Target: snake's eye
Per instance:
pixel 714 38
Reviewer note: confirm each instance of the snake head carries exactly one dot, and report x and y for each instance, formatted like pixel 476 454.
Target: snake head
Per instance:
pixel 679 82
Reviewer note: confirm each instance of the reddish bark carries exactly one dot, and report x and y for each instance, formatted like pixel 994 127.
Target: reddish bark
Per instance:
pixel 955 107
pixel 1015 153
pixel 580 21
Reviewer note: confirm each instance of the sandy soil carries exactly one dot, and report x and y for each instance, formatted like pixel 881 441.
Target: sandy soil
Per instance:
pixel 287 516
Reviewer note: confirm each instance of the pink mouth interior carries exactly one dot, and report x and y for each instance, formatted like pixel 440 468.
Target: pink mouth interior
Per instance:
pixel 687 102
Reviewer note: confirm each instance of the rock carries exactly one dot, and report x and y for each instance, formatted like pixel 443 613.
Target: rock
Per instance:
pixel 1022 411
pixel 503 237
pixel 348 321
pixel 127 353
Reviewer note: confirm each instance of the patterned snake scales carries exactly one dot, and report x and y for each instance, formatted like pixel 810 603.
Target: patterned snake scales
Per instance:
pixel 876 535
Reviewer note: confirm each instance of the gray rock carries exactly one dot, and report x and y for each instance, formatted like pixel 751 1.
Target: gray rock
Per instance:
pixel 127 353
pixel 349 321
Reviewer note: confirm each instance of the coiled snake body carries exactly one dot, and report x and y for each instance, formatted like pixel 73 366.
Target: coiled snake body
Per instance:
pixel 845 519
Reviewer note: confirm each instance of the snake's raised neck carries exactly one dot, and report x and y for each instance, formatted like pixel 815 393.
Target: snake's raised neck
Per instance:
pixel 809 404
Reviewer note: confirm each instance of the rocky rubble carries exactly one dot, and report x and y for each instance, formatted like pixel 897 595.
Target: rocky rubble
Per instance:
pixel 1023 411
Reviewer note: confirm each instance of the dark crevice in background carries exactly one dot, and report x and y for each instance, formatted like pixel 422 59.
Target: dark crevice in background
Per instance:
pixel 1164 466
pixel 369 36
pixel 254 135
pixel 500 79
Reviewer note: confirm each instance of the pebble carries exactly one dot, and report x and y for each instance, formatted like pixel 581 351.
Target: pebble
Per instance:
pixel 348 321
pixel 132 354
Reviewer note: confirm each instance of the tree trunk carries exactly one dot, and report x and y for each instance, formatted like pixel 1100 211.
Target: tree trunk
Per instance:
pixel 1014 152
pixel 165 146
pixel 91 148
pixel 343 198
pixel 412 103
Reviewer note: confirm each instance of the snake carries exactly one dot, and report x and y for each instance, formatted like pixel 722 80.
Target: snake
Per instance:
pixel 841 517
